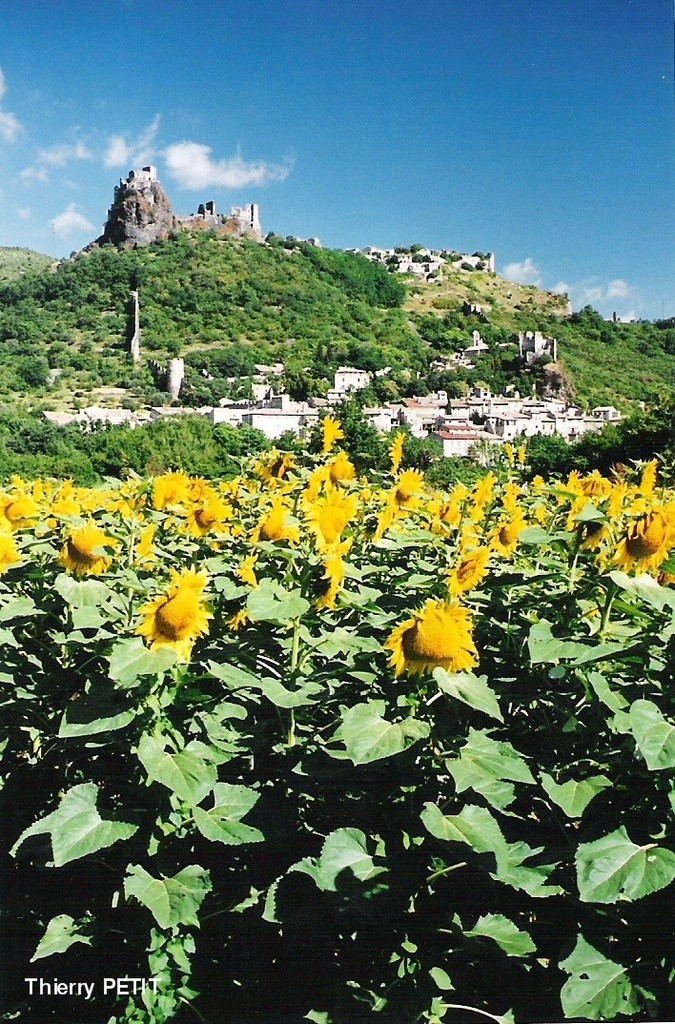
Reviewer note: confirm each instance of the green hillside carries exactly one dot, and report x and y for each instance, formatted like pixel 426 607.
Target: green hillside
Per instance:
pixel 225 305
pixel 607 362
pixel 16 263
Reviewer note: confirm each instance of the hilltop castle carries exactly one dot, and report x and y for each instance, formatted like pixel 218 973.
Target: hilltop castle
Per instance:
pixel 141 213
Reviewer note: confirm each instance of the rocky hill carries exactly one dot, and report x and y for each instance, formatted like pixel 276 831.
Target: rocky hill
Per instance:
pixel 141 212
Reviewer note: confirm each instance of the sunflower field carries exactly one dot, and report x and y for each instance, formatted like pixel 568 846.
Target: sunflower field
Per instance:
pixel 303 745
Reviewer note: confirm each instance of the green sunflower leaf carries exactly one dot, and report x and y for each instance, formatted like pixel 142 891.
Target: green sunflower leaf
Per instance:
pixel 367 736
pixel 598 988
pixel 171 900
pixel 654 735
pixel 469 689
pixel 76 827
pixel 61 933
pixel 614 868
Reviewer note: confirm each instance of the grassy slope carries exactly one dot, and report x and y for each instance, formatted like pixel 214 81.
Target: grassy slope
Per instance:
pixel 224 305
pixel 15 263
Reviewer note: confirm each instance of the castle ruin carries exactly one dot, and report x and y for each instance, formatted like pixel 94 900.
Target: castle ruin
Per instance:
pixel 533 346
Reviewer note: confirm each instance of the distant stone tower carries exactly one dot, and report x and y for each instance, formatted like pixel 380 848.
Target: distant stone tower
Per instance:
pixel 135 339
pixel 174 377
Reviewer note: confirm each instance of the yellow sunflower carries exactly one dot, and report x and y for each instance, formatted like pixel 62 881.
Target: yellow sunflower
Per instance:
pixel 648 478
pixel 178 617
pixel 333 579
pixel 328 516
pixel 84 551
pixel 510 499
pixel 647 541
pixel 469 571
pixel 239 619
pixel 446 515
pixel 208 516
pixel 340 469
pixel 276 525
pixel 9 553
pixel 595 485
pixel 275 466
pixel 594 534
pixel 18 511
pixel 408 488
pixel 504 538
pixel 396 450
pixel 483 490
pixel 332 432
pixel 617 499
pixel 438 636
pixel 171 489
pixel 65 501
pixel 144 553
pixel 246 571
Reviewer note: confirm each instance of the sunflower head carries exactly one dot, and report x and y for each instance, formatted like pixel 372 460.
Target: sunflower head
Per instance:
pixel 647 541
pixel 504 538
pixel 84 552
pixel 246 571
pixel 469 571
pixel 483 490
pixel 595 485
pixel 18 511
pixel 328 516
pixel 276 525
pixel 276 466
pixel 396 450
pixel 331 582
pixel 408 488
pixel 178 617
pixel 208 516
pixel 340 469
pixel 9 553
pixel 438 636
pixel 332 432
pixel 171 489
pixel 648 479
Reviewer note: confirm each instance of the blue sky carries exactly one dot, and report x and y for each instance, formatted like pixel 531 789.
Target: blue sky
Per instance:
pixel 542 131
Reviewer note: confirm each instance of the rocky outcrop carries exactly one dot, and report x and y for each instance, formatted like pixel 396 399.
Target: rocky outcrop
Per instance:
pixel 141 212
pixel 557 383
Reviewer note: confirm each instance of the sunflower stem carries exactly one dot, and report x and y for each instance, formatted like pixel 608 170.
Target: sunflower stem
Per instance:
pixel 295 653
pixel 446 871
pixel 606 611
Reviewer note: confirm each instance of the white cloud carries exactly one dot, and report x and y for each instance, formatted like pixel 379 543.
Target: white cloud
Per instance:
pixel 134 153
pixel 10 126
pixel 69 222
pixel 561 288
pixel 618 289
pixel 59 156
pixel 191 165
pixel 118 153
pixel 24 213
pixel 526 272
pixel 34 174
pixel 593 291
